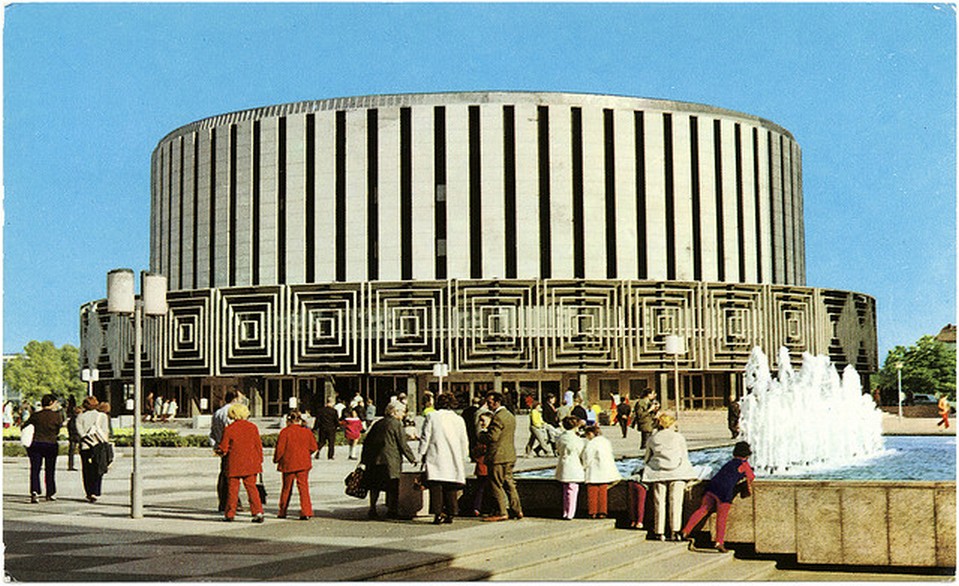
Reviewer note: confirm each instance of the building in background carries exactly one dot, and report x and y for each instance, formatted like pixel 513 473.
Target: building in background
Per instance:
pixel 533 242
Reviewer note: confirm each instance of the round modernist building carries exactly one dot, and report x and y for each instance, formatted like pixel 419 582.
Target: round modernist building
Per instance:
pixel 532 242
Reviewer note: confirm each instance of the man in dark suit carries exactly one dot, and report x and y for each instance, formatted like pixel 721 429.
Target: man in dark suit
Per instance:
pixel 326 425
pixel 383 451
pixel 500 436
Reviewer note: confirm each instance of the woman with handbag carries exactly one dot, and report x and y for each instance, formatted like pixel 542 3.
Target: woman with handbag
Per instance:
pixel 44 448
pixel 382 456
pixel 241 441
pixel 444 449
pixel 93 427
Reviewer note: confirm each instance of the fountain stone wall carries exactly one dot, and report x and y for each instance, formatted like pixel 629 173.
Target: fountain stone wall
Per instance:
pixel 837 522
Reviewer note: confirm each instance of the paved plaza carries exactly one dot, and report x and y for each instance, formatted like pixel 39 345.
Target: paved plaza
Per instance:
pixel 181 536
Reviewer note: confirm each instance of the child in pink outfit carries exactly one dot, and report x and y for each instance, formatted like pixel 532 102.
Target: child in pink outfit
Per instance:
pixel 720 492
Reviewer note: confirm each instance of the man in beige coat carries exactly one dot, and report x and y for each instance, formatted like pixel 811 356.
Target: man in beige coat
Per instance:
pixel 500 436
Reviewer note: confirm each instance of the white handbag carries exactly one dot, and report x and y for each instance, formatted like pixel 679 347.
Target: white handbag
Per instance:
pixel 26 436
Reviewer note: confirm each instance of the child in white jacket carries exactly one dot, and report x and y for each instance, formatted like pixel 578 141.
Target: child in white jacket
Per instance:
pixel 600 467
pixel 569 465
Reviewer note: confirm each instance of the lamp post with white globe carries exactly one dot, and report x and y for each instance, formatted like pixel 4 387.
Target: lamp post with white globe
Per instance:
pixel 121 299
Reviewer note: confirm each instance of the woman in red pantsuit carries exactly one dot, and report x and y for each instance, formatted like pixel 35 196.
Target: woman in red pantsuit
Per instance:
pixel 241 440
pixel 293 456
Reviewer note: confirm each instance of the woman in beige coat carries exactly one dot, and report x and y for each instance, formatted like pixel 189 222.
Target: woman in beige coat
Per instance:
pixel 667 469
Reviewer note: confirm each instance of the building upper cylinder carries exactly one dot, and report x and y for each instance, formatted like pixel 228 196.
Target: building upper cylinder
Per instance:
pixel 484 185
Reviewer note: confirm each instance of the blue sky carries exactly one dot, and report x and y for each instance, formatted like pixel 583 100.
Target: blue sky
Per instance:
pixel 868 90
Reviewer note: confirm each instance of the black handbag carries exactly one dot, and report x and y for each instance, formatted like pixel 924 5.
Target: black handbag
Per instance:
pixel 261 488
pixel 354 484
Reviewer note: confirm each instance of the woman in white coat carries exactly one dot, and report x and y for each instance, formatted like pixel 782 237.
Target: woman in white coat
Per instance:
pixel 601 471
pixel 667 469
pixel 444 449
pixel 569 466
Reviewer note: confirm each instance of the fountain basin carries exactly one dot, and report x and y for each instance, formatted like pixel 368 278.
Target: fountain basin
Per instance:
pixel 898 509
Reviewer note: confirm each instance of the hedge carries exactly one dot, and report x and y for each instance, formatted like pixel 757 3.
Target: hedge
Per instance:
pixel 149 437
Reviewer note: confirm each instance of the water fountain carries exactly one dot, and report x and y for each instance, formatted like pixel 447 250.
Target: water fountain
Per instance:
pixel 810 419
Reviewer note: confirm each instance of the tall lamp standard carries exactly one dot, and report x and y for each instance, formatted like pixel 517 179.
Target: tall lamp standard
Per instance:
pixel 440 370
pixel 121 299
pixel 676 345
pixel 89 376
pixel 899 379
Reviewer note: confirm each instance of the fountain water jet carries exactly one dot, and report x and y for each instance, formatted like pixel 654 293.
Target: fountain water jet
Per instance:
pixel 810 418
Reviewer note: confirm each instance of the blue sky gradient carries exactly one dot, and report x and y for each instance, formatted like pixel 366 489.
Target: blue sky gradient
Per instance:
pixel 868 91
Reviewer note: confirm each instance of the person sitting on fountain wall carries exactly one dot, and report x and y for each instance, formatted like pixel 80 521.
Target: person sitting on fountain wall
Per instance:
pixel 667 470
pixel 720 492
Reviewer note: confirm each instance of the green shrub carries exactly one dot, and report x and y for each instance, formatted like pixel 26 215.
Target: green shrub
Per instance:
pixel 12 433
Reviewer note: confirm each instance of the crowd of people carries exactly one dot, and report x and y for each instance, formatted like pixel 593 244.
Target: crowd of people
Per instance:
pixel 447 443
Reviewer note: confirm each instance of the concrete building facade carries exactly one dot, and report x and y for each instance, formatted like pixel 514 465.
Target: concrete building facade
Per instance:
pixel 534 242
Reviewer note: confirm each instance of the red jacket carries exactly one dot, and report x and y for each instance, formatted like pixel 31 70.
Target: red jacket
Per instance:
pixel 241 441
pixel 294 447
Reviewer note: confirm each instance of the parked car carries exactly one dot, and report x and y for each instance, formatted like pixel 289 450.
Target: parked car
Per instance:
pixel 924 399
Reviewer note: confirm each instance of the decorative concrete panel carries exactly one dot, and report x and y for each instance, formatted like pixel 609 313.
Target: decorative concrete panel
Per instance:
pixel 740 526
pixel 818 525
pixel 912 527
pixel 865 534
pixel 775 510
pixel 946 525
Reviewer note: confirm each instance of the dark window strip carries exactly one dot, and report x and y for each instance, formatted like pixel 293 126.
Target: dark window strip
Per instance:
pixel 579 229
pixel 179 280
pixel 782 193
pixel 475 191
pixel 795 210
pixel 670 196
pixel 213 282
pixel 696 203
pixel 718 166
pixel 542 148
pixel 169 212
pixel 406 193
pixel 310 197
pixel 159 202
pixel 439 193
pixel 372 195
pixel 256 203
pixel 281 201
pixel 640 154
pixel 740 211
pixel 340 195
pixel 609 159
pixel 772 206
pixel 509 188
pixel 231 186
pixel 196 204
pixel 758 215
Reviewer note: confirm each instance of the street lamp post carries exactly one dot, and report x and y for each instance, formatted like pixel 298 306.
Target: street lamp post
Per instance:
pixel 899 380
pixel 121 299
pixel 90 376
pixel 676 345
pixel 440 370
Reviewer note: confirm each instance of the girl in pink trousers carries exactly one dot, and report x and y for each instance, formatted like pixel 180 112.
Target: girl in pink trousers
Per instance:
pixel 569 465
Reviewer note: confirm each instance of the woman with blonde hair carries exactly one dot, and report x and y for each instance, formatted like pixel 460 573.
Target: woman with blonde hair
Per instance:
pixel 667 469
pixel 241 441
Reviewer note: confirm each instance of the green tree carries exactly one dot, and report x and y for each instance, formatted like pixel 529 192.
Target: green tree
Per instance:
pixel 929 366
pixel 43 368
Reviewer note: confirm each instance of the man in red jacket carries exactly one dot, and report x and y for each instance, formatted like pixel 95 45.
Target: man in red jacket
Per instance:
pixel 241 441
pixel 294 448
